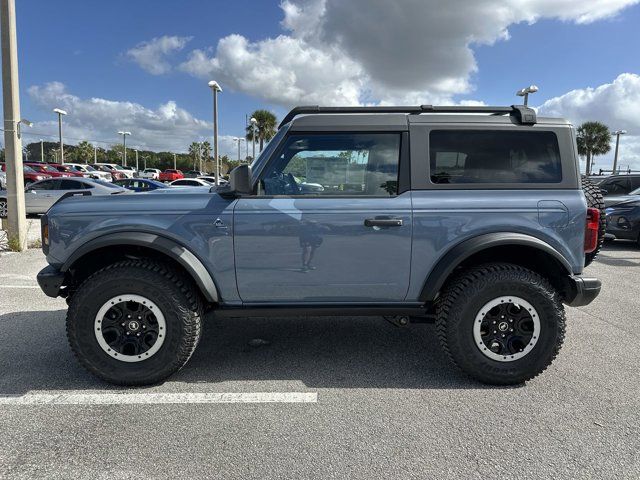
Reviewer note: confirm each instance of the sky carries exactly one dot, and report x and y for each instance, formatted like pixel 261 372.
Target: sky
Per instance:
pixel 143 65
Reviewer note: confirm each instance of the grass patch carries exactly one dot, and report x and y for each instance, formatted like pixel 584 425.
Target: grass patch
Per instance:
pixel 36 244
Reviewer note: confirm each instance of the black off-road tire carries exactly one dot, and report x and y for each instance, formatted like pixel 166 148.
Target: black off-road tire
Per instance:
pixel 464 297
pixel 594 199
pixel 173 293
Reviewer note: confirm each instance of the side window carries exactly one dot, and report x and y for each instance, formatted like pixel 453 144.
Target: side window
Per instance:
pixel 335 164
pixel 617 186
pixel 44 185
pixel 496 156
pixel 70 185
pixel 635 183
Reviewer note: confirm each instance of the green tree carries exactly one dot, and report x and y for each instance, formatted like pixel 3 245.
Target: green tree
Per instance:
pixel 594 138
pixel 83 153
pixel 266 127
pixel 195 151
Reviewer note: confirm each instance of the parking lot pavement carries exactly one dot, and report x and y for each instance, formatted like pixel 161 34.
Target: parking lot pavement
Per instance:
pixel 379 401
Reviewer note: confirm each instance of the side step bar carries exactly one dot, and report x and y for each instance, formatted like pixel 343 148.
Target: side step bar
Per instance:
pixel 418 310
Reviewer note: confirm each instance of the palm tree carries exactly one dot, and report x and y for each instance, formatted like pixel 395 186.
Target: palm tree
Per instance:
pixel 593 139
pixel 195 150
pixel 266 126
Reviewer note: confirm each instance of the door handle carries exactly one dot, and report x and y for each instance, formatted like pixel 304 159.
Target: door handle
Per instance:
pixel 383 222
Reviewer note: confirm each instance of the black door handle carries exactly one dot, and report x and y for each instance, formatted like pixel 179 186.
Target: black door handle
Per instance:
pixel 383 222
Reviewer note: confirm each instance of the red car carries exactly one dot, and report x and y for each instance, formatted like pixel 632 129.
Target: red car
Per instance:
pixel 169 175
pixel 65 169
pixel 47 169
pixel 30 175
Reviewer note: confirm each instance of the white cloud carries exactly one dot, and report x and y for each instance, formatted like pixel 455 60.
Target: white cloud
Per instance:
pixel 616 104
pixel 152 55
pixel 371 51
pixel 165 128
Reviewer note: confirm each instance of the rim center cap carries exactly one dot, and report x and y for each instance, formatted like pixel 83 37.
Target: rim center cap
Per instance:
pixel 134 325
pixel 503 326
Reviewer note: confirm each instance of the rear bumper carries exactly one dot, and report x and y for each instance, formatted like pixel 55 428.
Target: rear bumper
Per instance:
pixel 50 280
pixel 582 291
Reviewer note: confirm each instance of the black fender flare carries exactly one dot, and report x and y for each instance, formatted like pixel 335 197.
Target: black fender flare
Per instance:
pixel 460 252
pixel 177 252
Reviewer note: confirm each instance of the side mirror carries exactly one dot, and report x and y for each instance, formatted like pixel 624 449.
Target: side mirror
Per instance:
pixel 240 180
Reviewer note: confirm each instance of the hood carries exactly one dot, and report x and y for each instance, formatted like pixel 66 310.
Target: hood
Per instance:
pixel 152 203
pixel 611 200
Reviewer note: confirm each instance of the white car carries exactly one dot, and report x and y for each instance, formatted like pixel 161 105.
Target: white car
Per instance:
pixel 191 182
pixel 114 166
pixel 88 171
pixel 212 179
pixel 151 173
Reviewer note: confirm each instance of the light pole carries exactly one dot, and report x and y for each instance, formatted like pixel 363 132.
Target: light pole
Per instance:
pixel 60 114
pixel 95 154
pixel 137 167
pixel 525 93
pixel 254 124
pixel 239 140
pixel 617 133
pixel 215 88
pixel 175 162
pixel 124 146
pixel 42 150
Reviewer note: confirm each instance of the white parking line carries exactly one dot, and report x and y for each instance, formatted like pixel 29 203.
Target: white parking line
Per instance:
pixel 19 286
pixel 155 398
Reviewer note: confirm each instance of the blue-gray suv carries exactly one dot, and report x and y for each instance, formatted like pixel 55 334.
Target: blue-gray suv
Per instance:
pixel 473 217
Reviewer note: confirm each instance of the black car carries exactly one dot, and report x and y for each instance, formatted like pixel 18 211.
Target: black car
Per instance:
pixel 623 216
pixel 140 184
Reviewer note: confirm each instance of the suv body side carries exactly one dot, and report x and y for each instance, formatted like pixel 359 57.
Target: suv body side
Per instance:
pixel 251 246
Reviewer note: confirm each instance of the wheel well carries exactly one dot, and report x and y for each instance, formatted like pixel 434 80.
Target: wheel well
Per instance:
pixel 99 258
pixel 526 256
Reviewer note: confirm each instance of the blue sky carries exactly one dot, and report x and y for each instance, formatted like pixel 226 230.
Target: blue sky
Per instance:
pixel 273 55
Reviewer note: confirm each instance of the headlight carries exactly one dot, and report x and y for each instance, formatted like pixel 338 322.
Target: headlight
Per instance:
pixel 40 177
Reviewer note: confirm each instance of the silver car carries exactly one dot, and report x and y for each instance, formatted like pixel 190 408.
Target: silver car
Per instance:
pixel 40 196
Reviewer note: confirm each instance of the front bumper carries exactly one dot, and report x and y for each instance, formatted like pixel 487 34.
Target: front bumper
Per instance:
pixel 582 291
pixel 50 280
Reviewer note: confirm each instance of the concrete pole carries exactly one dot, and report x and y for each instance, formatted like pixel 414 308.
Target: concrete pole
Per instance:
pixel 137 166
pixel 60 135
pixel 215 134
pixel 95 154
pixel 16 214
pixel 124 146
pixel 41 150
pixel 175 162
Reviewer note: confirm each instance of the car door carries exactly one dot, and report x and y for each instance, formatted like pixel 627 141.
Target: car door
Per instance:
pixel 62 187
pixel 328 222
pixel 39 194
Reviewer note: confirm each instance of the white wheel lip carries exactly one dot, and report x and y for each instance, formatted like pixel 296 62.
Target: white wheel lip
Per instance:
pixel 488 306
pixel 162 325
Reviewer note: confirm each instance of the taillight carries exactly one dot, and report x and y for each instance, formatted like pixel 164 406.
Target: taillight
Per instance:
pixel 591 232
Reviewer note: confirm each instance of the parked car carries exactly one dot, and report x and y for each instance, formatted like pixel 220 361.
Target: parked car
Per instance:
pixel 65 168
pixel 29 174
pixel 170 175
pixel 87 171
pixel 191 182
pixel 118 172
pixel 134 173
pixel 3 181
pixel 47 169
pixel 619 184
pixel 212 179
pixel 140 184
pixel 40 196
pixel 476 220
pixel 151 173
pixel 194 174
pixel 114 172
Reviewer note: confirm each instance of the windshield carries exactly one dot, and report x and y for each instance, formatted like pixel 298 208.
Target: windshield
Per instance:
pixel 107 184
pixel 49 168
pixel 119 167
pixel 89 168
pixel 258 164
pixel 28 169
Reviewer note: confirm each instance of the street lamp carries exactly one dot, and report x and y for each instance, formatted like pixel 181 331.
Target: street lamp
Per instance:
pixel 254 127
pixel 239 140
pixel 525 93
pixel 215 88
pixel 124 146
pixel 60 114
pixel 617 133
pixel 42 150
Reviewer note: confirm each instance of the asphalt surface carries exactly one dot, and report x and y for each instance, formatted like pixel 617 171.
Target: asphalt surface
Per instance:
pixel 389 405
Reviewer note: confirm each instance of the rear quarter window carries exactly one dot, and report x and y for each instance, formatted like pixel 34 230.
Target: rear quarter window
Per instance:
pixel 494 157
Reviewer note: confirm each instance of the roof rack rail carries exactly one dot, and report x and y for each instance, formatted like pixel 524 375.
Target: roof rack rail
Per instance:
pixel 523 114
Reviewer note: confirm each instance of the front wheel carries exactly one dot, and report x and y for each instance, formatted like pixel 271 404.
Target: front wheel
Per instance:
pixel 135 322
pixel 502 324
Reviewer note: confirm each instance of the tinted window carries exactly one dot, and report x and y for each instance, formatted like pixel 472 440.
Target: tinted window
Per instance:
pixel 615 186
pixel 635 182
pixel 336 164
pixel 71 185
pixel 498 156
pixel 44 185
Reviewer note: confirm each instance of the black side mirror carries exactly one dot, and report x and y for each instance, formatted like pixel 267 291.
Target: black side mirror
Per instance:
pixel 240 180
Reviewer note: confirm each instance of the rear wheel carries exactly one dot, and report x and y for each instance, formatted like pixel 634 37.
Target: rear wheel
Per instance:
pixel 134 322
pixel 501 324
pixel 594 198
